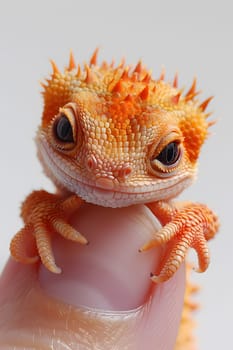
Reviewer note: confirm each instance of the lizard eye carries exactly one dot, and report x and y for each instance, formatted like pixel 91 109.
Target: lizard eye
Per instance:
pixel 169 154
pixel 165 158
pixel 63 129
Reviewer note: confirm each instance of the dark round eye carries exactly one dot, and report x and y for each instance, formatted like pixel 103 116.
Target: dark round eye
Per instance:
pixel 63 129
pixel 170 154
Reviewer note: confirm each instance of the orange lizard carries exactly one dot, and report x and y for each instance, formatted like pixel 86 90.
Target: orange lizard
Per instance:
pixel 115 137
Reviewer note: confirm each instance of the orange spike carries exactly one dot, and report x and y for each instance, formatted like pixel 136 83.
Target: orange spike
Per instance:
pixel 89 75
pixel 122 76
pixel 162 75
pixel 134 77
pixel 94 56
pixel 175 81
pixel 118 87
pixel 138 68
pixel 78 74
pixel 194 288
pixel 204 104
pixel 144 93
pixel 211 123
pixel 43 85
pixel 154 89
pixel 191 92
pixel 146 78
pixel 208 114
pixel 54 67
pixel 112 63
pixel 190 97
pixel 175 99
pixel 72 64
pixel 104 65
pixel 122 63
pixel 128 98
pixel 125 74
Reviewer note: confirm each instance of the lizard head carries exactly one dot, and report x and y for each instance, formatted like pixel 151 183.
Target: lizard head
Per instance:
pixel 117 137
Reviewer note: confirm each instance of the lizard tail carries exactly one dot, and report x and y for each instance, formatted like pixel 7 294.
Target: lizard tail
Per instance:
pixel 185 339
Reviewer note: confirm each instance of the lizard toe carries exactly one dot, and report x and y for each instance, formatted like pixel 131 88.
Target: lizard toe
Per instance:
pixel 23 246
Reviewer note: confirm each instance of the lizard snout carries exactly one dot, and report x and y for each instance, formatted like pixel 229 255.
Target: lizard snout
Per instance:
pixel 111 172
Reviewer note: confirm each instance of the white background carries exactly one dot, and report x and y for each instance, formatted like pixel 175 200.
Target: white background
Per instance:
pixel 193 37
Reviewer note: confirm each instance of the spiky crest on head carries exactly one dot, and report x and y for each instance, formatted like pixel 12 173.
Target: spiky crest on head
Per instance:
pixel 134 87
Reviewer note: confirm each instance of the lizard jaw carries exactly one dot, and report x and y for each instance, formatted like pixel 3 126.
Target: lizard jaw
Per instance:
pixel 116 199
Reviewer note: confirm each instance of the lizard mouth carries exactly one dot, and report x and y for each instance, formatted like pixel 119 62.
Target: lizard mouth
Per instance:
pixel 106 192
pixel 120 198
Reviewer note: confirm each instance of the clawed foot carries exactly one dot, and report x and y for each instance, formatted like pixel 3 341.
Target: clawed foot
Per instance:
pixel 45 214
pixel 191 227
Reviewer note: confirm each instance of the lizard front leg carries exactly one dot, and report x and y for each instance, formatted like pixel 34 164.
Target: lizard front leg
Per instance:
pixel 191 226
pixel 44 214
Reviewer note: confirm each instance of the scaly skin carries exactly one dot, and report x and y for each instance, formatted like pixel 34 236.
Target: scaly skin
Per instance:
pixel 115 137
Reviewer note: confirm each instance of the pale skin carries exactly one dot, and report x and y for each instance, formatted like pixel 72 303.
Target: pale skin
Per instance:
pixel 38 307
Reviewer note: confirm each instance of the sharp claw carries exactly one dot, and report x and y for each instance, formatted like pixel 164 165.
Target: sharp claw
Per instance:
pixel 150 244
pixel 203 254
pixel 53 268
pixel 199 269
pixel 162 236
pixel 68 232
pixel 158 279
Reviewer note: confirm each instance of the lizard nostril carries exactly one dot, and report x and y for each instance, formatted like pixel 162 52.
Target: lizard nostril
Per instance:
pixel 91 162
pixel 124 172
